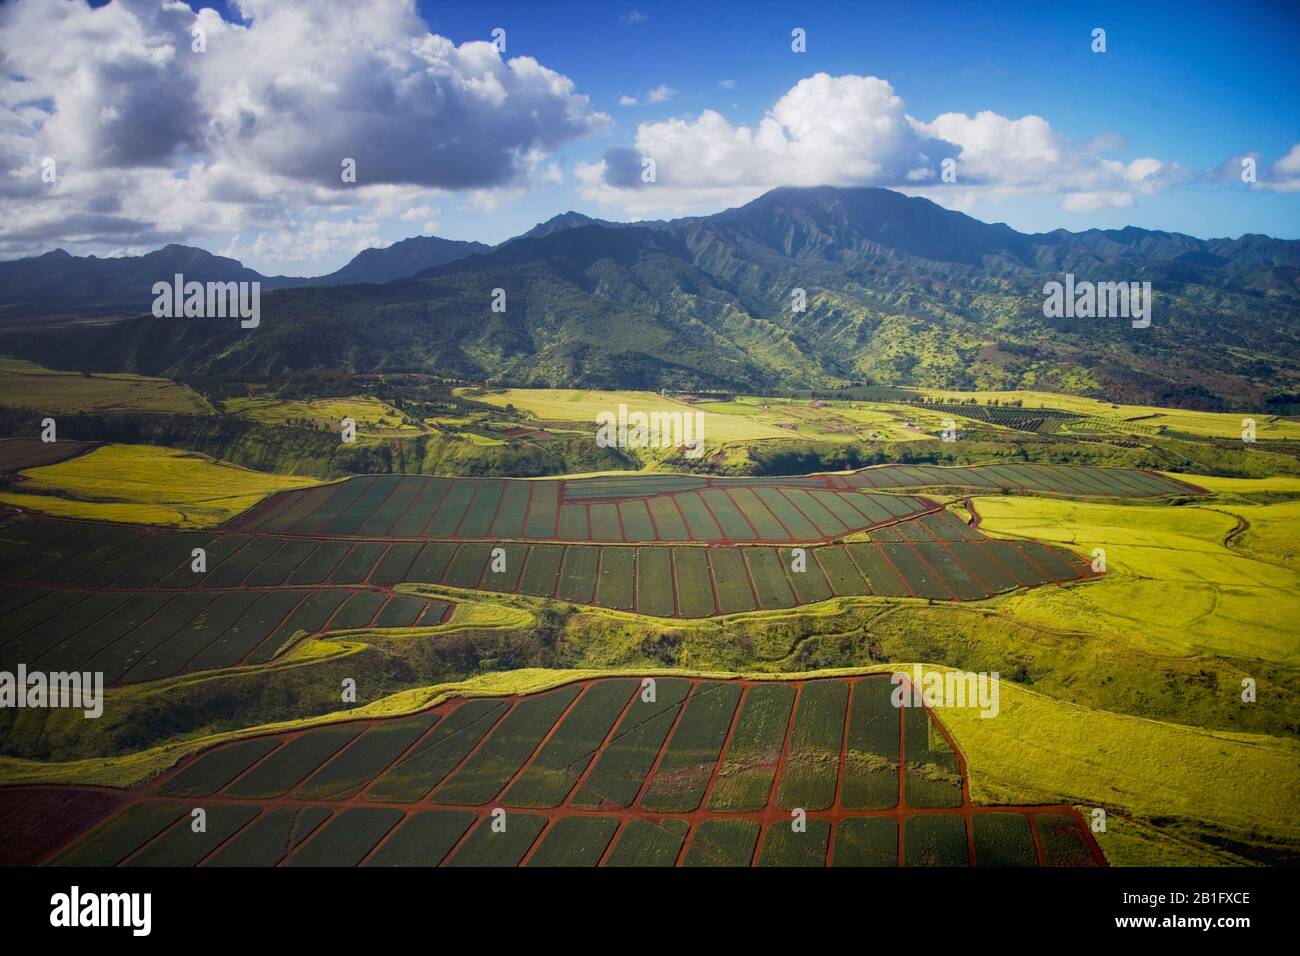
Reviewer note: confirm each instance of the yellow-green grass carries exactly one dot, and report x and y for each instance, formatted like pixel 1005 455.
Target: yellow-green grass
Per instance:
pixel 146 484
pixel 1207 424
pixel 1172 585
pixel 374 418
pixel 566 405
pixel 843 421
pixel 1277 484
pixel 53 392
pixel 1042 750
pixel 1273 534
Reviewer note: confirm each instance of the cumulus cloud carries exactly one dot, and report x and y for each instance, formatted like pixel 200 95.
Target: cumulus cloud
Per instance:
pixel 1026 154
pixel 660 94
pixel 255 128
pixel 845 130
pixel 854 131
pixel 1281 176
pixel 308 240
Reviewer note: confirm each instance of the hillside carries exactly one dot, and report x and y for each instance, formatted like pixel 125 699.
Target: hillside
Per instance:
pixel 899 291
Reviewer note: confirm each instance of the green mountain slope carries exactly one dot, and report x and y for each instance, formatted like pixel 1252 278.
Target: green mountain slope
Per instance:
pixel 899 291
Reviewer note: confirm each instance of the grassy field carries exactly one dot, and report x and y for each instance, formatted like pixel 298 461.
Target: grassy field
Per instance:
pixel 374 418
pixel 1204 424
pixel 1039 749
pixel 1172 585
pixel 744 418
pixel 753 418
pixel 836 421
pixel 563 405
pixel 1277 485
pixel 53 393
pixel 145 484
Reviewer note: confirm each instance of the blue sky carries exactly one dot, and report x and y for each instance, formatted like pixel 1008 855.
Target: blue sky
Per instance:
pixel 1193 82
pixel 232 150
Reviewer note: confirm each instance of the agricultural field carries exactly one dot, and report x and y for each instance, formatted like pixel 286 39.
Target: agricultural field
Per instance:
pixel 896 415
pixel 19 453
pixel 672 508
pixel 143 484
pixel 562 405
pixel 1203 567
pixel 617 772
pixel 1157 419
pixel 27 385
pixel 138 636
pixel 1082 481
pixel 596 510
pixel 934 556
pixel 374 418
pixel 441 581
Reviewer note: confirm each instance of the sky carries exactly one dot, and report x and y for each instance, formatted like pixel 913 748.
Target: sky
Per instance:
pixel 128 124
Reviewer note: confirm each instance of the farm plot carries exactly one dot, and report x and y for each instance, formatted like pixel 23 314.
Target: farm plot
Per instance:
pixel 493 765
pixel 567 753
pixel 934 776
pixel 870 777
pixel 19 453
pixel 1075 480
pixel 620 771
pixel 612 771
pixel 36 820
pixel 785 846
pixel 749 766
pixel 663 508
pixel 866 841
pixel 813 749
pixel 136 637
pixel 932 556
pixel 649 842
pixel 687 764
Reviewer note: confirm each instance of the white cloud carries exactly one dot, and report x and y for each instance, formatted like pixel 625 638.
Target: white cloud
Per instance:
pixel 727 84
pixel 627 101
pixel 660 94
pixel 1027 155
pixel 854 131
pixel 309 241
pixel 427 216
pixel 259 124
pixel 826 130
pixel 1282 176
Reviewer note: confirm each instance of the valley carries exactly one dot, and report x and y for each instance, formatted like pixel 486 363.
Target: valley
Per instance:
pixel 426 591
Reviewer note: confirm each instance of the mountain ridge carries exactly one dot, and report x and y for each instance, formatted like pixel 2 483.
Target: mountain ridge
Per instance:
pixel 898 290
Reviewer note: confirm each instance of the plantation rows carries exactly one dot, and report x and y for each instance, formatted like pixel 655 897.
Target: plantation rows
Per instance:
pixel 502 509
pixel 19 453
pixel 601 772
pixel 1076 480
pixel 934 556
pixel 1008 416
pixel 148 635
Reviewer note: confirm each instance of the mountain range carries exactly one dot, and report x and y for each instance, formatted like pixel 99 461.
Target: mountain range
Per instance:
pixel 897 290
